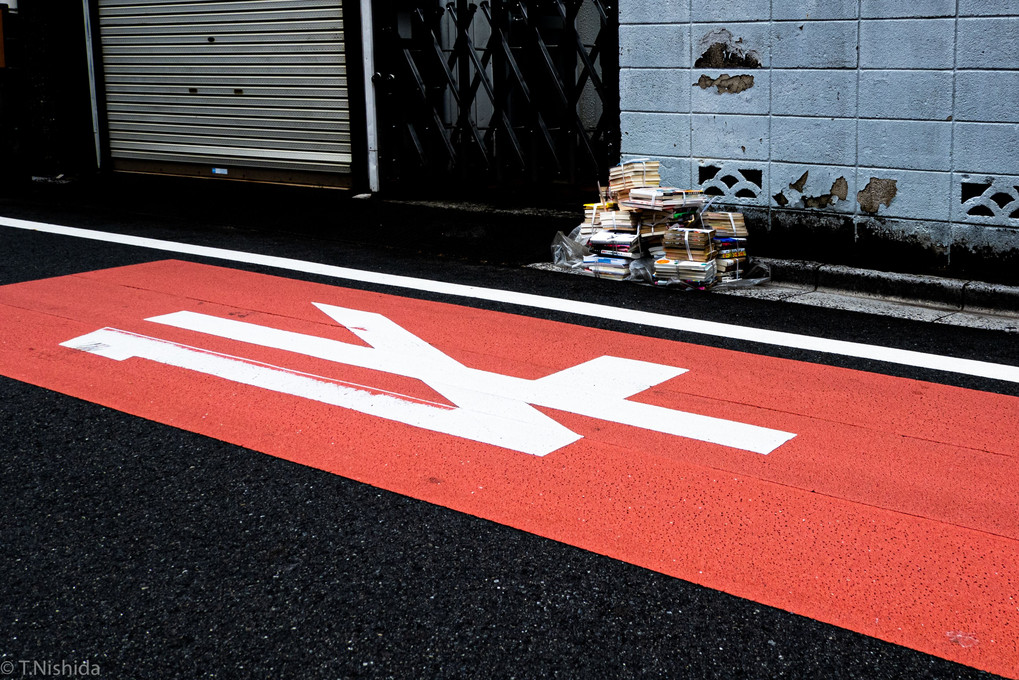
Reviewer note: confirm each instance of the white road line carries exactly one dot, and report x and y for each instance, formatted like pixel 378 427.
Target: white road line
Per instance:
pixel 891 355
pixel 523 428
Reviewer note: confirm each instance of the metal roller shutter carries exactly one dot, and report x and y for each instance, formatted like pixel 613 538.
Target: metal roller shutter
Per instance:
pixel 257 85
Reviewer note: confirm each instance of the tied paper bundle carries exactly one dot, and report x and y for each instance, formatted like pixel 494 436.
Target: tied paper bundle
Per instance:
pixel 652 226
pixel 726 224
pixel 685 243
pixel 731 248
pixel 592 218
pixel 685 270
pixel 617 220
pixel 663 198
pixel 731 269
pixel 731 257
pixel 631 174
pixel 616 244
pixel 607 267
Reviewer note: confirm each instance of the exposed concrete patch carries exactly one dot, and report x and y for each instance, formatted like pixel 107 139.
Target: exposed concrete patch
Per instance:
pixel 822 201
pixel 721 50
pixel 839 191
pixel 876 192
pixel 726 83
pixel 800 184
pixel 840 188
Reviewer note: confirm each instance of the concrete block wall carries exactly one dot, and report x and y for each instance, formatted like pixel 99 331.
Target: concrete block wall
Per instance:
pixel 863 132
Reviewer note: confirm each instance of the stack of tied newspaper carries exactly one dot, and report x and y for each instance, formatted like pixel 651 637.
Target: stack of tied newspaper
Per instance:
pixel 607 267
pixel 687 254
pixel 617 220
pixel 685 270
pixel 614 236
pixel 590 223
pixel 638 218
pixel 725 224
pixel 632 174
pixel 688 243
pixel 616 244
pixel 730 242
pixel 602 215
pixel 663 199
pixel 652 225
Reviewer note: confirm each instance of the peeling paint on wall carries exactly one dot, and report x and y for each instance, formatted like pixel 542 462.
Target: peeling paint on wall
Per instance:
pixel 839 192
pixel 840 188
pixel 822 201
pixel 726 83
pixel 721 50
pixel 876 192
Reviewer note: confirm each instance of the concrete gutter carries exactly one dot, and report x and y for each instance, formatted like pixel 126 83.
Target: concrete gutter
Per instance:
pixel 975 297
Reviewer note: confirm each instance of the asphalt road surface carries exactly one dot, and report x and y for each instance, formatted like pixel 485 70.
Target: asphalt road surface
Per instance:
pixel 146 533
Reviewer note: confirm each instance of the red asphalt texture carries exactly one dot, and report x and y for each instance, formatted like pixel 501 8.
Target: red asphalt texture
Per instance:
pixel 893 512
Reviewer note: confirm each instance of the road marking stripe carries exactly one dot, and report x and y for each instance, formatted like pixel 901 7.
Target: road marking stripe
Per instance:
pixel 982 369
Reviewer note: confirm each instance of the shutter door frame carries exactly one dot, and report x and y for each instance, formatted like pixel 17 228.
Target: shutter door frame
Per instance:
pixel 242 89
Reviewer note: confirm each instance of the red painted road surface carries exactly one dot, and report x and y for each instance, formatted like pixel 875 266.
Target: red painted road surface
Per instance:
pixel 892 512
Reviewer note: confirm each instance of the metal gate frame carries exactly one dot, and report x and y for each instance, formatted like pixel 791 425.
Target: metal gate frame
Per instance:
pixel 532 71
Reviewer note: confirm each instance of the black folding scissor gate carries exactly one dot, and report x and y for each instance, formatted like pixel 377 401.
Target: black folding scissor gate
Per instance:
pixel 496 92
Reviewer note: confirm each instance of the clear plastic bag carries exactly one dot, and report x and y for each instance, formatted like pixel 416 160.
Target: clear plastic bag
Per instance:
pixel 567 251
pixel 642 271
